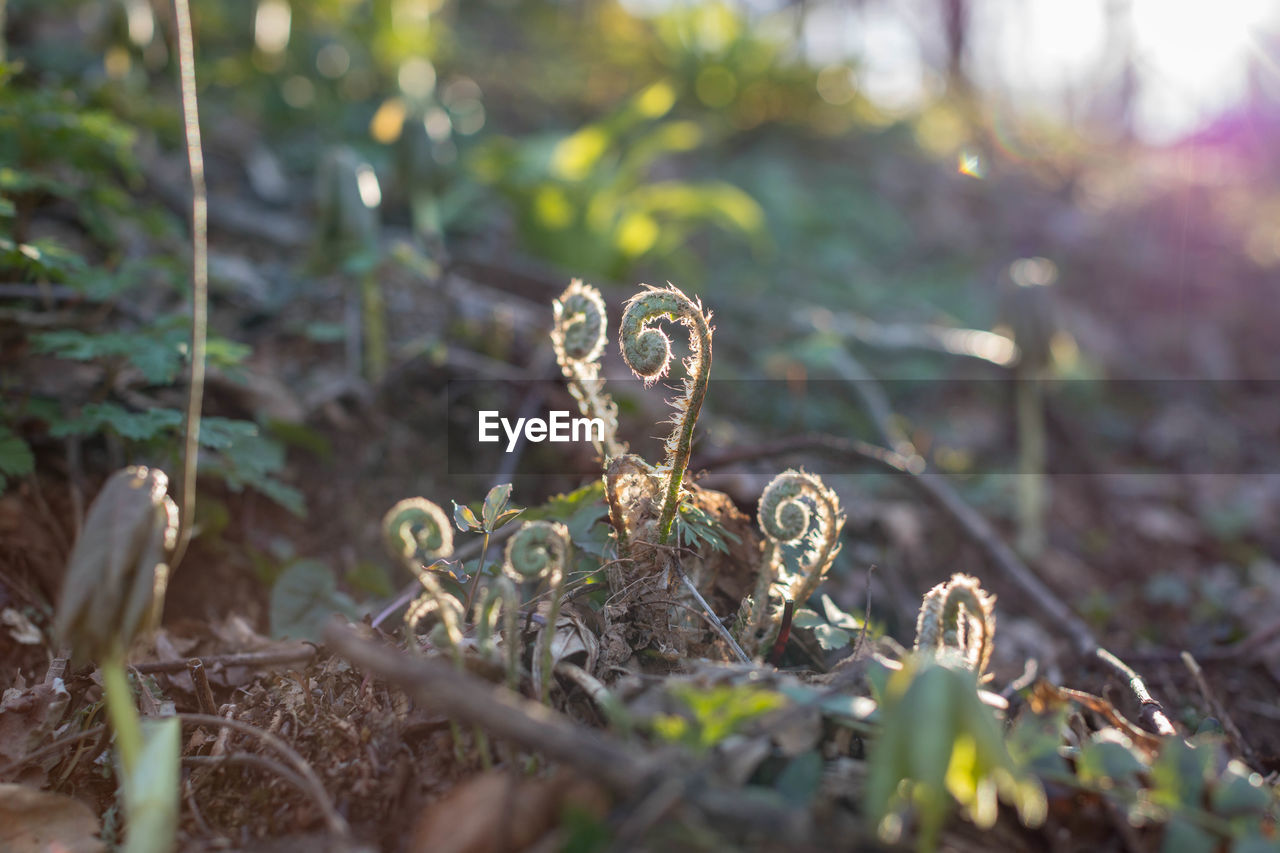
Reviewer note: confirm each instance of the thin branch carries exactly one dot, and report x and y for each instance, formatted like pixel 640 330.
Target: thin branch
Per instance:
pixel 199 275
pixel 259 762
pixel 301 654
pixel 507 715
pixel 1153 714
pixel 714 621
pixel 314 787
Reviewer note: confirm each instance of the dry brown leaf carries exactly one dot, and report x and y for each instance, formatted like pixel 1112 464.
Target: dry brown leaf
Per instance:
pixel 34 821
pixel 28 716
pixel 498 812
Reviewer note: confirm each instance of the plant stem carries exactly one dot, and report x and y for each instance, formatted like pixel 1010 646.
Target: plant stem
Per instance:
pixel 475 580
pixel 122 712
pixel 375 329
pixel 199 275
pixel 1033 495
pixel 548 638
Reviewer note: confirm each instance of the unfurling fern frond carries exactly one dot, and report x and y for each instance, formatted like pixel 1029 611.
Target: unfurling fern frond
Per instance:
pixel 797 509
pixel 578 336
pixel 647 351
pixel 540 549
pixel 959 617
pixel 417 531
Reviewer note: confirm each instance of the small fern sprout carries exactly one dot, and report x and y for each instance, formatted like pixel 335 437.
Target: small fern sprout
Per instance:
pixel 578 336
pixel 797 508
pixel 959 617
pixel 647 351
pixel 417 531
pixel 498 599
pixel 448 610
pixel 540 549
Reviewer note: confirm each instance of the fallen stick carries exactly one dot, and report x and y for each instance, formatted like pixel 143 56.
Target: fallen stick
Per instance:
pixel 507 715
pixel 301 654
pixel 979 531
pixel 1218 709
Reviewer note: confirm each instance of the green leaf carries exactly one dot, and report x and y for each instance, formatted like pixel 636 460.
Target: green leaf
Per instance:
pixel 137 426
pixel 1240 792
pixel 1108 760
pixel 503 518
pixel 464 518
pixel 303 599
pixel 838 617
pixel 371 579
pixel 494 504
pixel 16 458
pixel 151 791
pixel 799 782
pixel 245 457
pixel 803 617
pixel 830 637
pixel 1179 773
pixel 156 352
pixel 1183 836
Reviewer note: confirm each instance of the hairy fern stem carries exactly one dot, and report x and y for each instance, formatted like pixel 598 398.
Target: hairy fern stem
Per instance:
pixel 647 351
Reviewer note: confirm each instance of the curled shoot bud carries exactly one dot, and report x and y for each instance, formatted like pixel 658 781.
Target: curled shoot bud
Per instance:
pixel 797 509
pixel 647 351
pixel 578 336
pixel 958 616
pixel 499 599
pixel 540 549
pixel 417 531
pixel 118 570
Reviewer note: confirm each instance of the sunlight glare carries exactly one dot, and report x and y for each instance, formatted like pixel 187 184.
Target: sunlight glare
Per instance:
pixel 367 182
pixel 1195 57
pixel 271 26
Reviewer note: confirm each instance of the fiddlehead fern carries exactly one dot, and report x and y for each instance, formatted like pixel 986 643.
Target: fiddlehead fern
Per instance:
pixel 578 336
pixel 797 509
pixel 416 531
pixel 958 615
pixel 647 351
pixel 540 549
pixel 499 599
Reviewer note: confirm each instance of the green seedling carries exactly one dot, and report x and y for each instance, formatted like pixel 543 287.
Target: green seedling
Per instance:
pixel 494 515
pixel 1030 310
pixel 347 238
pixel 114 593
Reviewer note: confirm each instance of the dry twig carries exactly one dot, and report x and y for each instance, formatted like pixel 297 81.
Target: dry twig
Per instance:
pixel 507 715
